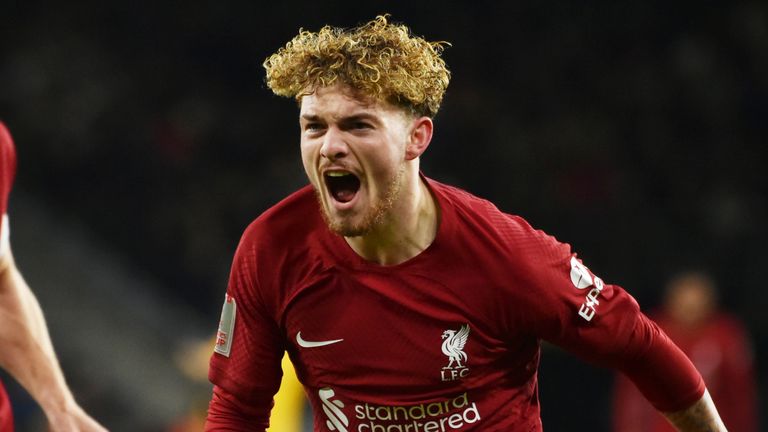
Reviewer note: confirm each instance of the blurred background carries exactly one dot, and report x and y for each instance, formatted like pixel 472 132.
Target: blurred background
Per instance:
pixel 147 141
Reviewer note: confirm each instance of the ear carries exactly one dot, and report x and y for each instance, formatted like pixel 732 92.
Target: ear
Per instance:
pixel 419 137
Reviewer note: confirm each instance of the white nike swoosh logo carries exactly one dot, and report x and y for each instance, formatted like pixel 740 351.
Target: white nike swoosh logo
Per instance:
pixel 311 344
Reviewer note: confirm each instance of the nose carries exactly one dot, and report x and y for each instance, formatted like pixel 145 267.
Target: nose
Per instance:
pixel 334 147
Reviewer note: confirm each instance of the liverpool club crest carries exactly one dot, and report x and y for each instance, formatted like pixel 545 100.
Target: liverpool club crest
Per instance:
pixel 453 347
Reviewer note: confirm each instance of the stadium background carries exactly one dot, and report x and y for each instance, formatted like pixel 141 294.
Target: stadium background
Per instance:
pixel 147 141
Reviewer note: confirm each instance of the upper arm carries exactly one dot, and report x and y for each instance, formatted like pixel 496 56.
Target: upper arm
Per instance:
pixel 603 324
pixel 249 371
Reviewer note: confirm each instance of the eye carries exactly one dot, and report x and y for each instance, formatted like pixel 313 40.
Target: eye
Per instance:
pixel 313 127
pixel 361 125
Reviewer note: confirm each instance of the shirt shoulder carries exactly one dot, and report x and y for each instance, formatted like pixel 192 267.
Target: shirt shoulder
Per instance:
pixel 532 271
pixel 284 246
pixel 286 222
pixel 480 219
pixel 285 234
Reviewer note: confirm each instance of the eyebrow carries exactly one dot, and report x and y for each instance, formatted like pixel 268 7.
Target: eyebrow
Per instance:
pixel 310 117
pixel 347 119
pixel 361 116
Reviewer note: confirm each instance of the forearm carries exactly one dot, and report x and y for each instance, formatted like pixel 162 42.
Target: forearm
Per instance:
pixel 32 314
pixel 27 352
pixel 226 412
pixel 702 416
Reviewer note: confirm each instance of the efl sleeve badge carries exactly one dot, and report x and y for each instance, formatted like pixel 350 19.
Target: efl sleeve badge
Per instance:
pixel 226 326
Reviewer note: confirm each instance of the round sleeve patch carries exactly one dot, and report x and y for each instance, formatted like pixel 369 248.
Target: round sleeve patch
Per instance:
pixel 580 275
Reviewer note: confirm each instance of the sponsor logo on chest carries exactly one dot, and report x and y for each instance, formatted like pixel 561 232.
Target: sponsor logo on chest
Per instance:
pixel 447 415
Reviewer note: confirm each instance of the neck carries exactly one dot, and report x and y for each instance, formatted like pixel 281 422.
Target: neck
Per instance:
pixel 409 229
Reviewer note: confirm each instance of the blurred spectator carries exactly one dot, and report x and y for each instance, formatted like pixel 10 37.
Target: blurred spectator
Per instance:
pixel 718 345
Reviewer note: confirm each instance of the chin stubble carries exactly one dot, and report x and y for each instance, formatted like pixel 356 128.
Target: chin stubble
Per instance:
pixel 374 216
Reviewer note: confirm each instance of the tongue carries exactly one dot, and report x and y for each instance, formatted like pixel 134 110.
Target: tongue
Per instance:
pixel 343 188
pixel 344 195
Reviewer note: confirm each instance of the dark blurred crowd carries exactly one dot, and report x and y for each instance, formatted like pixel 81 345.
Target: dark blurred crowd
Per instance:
pixel 636 132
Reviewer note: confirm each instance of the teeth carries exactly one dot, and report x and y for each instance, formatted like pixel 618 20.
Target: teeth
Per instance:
pixel 337 174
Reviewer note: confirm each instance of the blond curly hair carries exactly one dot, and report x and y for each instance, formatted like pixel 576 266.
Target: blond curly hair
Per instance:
pixel 378 59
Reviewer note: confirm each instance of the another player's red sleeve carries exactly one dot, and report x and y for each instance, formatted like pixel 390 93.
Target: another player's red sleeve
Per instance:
pixel 602 324
pixel 7 166
pixel 736 399
pixel 245 366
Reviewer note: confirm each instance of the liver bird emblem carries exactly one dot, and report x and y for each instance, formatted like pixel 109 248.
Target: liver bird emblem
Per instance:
pixel 453 346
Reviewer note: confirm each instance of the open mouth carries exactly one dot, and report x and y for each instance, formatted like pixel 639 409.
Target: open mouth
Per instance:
pixel 342 185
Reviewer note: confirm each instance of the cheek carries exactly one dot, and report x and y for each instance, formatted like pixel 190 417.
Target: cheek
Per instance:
pixel 390 156
pixel 383 169
pixel 308 159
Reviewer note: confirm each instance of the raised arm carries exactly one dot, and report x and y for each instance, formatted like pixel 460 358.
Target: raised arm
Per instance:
pixel 28 354
pixel 603 324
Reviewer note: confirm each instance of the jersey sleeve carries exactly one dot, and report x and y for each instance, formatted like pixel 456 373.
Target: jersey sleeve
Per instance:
pixel 737 398
pixel 7 173
pixel 601 323
pixel 245 366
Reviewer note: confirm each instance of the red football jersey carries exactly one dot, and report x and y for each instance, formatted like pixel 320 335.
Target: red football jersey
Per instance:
pixel 721 351
pixel 446 341
pixel 7 166
pixel 7 172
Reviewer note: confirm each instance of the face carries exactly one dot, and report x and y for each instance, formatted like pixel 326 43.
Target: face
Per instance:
pixel 690 300
pixel 354 153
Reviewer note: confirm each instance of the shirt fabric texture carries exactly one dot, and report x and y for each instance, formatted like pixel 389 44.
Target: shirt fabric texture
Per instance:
pixel 721 350
pixel 447 341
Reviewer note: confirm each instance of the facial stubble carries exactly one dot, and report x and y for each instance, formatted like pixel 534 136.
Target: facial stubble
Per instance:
pixel 374 216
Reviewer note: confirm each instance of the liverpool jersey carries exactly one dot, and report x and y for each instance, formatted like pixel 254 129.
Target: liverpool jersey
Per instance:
pixel 446 341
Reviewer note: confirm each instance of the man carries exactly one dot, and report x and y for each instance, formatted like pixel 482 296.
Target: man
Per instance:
pixel 27 353
pixel 406 304
pixel 715 341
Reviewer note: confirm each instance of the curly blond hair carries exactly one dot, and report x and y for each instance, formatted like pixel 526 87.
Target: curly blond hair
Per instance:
pixel 378 59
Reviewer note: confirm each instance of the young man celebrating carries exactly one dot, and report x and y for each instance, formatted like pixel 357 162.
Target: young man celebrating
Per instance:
pixel 27 353
pixel 406 304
